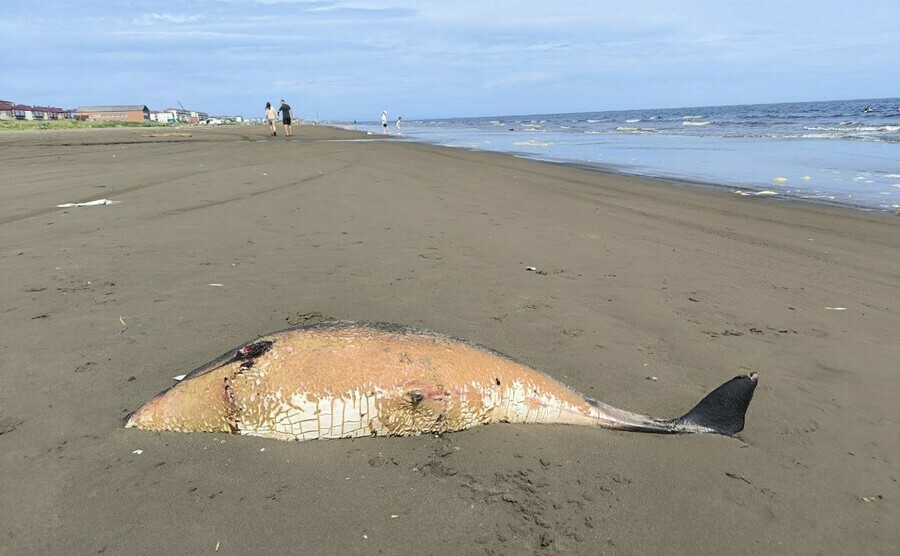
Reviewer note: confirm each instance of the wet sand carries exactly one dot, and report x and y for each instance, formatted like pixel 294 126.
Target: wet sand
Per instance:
pixel 226 234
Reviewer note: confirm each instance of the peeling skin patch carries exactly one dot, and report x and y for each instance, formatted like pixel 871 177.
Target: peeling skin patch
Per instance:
pixel 345 380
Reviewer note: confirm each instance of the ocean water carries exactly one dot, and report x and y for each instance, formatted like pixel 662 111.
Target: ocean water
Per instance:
pixel 831 152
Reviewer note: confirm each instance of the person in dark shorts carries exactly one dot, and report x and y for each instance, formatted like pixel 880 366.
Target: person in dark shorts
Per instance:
pixel 285 111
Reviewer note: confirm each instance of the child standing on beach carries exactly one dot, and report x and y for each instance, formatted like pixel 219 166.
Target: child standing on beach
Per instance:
pixel 399 119
pixel 270 118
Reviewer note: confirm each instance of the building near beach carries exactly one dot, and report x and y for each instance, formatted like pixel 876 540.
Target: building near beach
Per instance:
pixel 129 113
pixel 197 117
pixel 162 116
pixel 50 113
pixel 6 110
pixel 12 111
pixel 179 115
pixel 22 112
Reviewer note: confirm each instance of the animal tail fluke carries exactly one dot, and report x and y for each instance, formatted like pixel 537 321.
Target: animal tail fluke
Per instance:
pixel 722 410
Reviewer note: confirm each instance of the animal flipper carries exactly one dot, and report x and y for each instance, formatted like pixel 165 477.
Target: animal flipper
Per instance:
pixel 722 410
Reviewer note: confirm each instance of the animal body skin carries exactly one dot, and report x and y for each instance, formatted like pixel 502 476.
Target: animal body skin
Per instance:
pixel 345 380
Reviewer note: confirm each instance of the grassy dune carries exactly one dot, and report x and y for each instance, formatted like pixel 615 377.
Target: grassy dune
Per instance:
pixel 6 125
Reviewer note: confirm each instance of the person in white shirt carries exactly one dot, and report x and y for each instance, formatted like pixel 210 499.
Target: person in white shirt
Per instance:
pixel 271 116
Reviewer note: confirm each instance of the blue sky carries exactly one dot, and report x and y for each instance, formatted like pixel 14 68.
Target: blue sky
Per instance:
pixel 351 59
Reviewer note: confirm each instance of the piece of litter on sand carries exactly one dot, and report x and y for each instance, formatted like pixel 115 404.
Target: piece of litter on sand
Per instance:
pixel 738 477
pixel 217 545
pixel 836 308
pixel 530 268
pixel 872 498
pixel 138 452
pixel 651 378
pixel 394 516
pixel 217 285
pixel 88 204
pixel 178 377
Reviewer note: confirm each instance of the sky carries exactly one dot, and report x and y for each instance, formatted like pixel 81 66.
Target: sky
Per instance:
pixel 349 60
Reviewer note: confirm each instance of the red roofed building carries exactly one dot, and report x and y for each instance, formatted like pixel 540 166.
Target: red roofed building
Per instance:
pixel 6 110
pixel 12 111
pixel 58 113
pixel 22 112
pixel 40 113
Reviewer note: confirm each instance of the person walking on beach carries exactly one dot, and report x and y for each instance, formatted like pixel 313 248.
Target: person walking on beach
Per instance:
pixel 285 111
pixel 270 118
pixel 399 119
pixel 384 123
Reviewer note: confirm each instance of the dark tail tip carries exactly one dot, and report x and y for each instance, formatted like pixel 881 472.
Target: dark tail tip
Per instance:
pixel 722 410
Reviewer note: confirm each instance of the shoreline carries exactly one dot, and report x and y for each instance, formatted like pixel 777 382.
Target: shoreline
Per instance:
pixel 734 189
pixel 645 296
pixel 619 170
pixel 818 151
pixel 611 169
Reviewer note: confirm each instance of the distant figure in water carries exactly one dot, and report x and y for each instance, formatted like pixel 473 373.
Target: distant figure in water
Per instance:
pixel 384 129
pixel 399 119
pixel 270 118
pixel 869 110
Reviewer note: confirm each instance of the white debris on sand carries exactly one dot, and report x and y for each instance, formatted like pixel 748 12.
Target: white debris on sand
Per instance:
pixel 98 202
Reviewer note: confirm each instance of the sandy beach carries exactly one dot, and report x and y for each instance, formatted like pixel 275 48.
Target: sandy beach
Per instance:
pixel 645 295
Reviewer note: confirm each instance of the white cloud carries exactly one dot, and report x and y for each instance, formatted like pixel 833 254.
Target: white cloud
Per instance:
pixel 154 18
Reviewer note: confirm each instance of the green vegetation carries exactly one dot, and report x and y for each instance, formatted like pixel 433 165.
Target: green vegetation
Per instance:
pixel 6 125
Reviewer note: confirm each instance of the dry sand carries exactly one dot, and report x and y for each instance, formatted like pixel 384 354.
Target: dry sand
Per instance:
pixel 103 305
